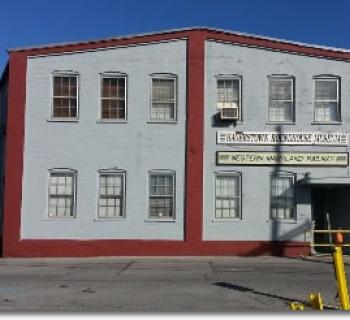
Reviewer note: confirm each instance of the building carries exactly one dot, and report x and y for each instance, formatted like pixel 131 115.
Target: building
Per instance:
pixel 185 142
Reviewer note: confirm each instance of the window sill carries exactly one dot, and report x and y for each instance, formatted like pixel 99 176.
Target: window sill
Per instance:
pixel 63 120
pixel 159 220
pixel 337 123
pixel 60 219
pixel 162 122
pixel 233 220
pixel 111 121
pixel 281 123
pixel 109 219
pixel 283 221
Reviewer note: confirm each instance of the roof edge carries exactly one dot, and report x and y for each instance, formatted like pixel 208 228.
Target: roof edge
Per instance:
pixel 185 29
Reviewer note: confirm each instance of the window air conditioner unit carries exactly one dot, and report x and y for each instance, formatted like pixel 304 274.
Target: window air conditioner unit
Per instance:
pixel 229 113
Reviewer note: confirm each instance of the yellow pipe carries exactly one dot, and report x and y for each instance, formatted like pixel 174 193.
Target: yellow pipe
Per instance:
pixel 331 231
pixel 328 245
pixel 341 278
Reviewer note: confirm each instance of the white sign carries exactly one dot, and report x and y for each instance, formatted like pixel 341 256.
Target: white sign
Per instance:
pixel 286 138
pixel 333 159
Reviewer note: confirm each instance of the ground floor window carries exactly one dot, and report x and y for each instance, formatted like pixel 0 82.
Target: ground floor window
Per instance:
pixel 282 197
pixel 111 194
pixel 228 195
pixel 161 195
pixel 62 184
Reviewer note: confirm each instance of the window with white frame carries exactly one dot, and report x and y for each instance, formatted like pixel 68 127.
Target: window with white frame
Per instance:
pixel 111 201
pixel 281 99
pixel 161 195
pixel 327 102
pixel 65 96
pixel 62 185
pixel 113 97
pixel 228 195
pixel 163 98
pixel 282 200
pixel 228 93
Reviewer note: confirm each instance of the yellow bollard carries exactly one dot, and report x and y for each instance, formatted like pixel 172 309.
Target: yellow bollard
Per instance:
pixel 341 278
pixel 296 306
pixel 316 301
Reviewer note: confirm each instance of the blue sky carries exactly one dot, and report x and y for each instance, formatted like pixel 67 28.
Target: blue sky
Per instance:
pixel 26 23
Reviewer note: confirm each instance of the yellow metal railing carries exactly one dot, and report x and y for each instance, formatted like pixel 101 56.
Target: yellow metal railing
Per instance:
pixel 313 231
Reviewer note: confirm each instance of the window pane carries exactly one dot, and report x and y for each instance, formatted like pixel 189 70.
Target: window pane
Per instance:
pixel 105 87
pixel 65 86
pixel 326 90
pixel 61 195
pixel 73 87
pixel 114 106
pixel 163 89
pixel 163 99
pixel 227 93
pixel 280 111
pixel 64 97
pixel 161 207
pixel 161 192
pixel 326 111
pixel 111 195
pixel 282 197
pixel 113 98
pixel 57 86
pixel 227 193
pixel 163 111
pixel 280 89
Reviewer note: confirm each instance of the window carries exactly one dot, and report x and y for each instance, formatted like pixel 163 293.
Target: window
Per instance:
pixel 327 106
pixel 228 93
pixel 161 195
pixel 282 197
pixel 228 196
pixel 163 104
pixel 113 97
pixel 281 99
pixel 65 96
pixel 62 185
pixel 111 202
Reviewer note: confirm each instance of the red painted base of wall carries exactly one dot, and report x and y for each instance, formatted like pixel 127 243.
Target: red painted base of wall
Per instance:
pixel 95 248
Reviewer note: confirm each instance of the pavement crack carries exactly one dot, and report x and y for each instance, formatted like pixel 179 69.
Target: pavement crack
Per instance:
pixel 213 267
pixel 126 267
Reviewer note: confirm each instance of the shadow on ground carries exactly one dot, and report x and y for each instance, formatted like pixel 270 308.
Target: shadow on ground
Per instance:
pixel 235 287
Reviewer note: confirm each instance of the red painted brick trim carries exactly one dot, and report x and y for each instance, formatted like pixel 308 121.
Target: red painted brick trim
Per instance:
pixel 106 43
pixel 95 248
pixel 195 138
pixel 14 150
pixel 219 35
pixel 277 45
pixel 193 244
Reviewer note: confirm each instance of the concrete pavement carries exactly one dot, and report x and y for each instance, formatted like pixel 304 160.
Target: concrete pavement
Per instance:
pixel 183 284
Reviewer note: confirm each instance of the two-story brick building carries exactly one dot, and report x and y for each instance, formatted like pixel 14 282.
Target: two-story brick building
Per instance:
pixel 185 142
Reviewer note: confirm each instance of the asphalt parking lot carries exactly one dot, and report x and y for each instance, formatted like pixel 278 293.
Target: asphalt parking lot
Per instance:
pixel 183 284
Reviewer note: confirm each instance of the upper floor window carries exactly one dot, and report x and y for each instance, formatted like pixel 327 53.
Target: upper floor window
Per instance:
pixel 228 97
pixel 228 195
pixel 65 96
pixel 327 99
pixel 62 186
pixel 282 202
pixel 113 97
pixel 163 98
pixel 111 202
pixel 281 99
pixel 161 194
